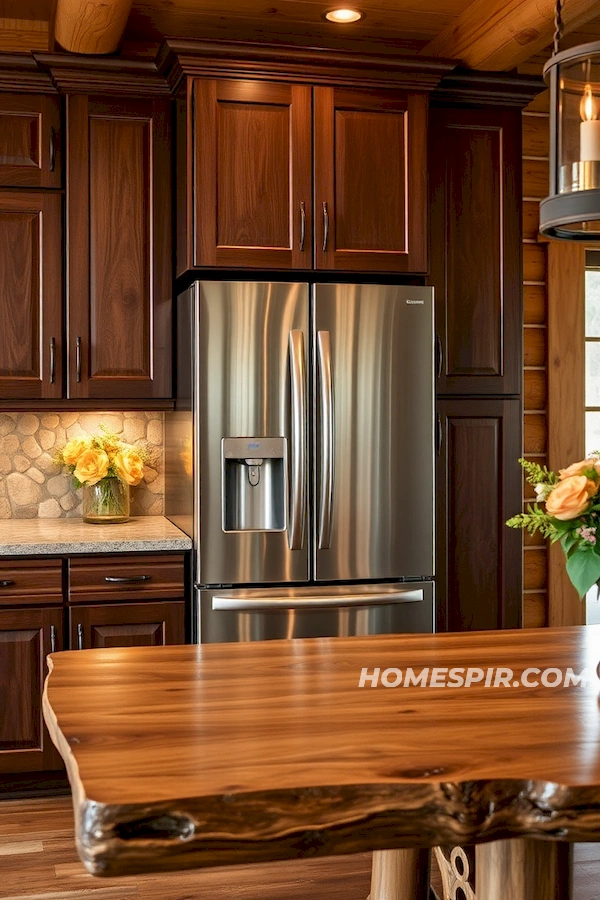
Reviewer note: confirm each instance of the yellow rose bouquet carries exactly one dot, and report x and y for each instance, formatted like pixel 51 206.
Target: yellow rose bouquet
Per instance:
pixel 571 515
pixel 105 467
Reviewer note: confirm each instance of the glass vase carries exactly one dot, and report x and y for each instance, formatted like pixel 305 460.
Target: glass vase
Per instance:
pixel 106 502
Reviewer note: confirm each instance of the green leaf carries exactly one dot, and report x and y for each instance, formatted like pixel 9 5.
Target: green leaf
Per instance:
pixel 583 568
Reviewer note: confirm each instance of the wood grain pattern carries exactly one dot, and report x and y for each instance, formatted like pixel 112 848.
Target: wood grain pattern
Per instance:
pixel 369 152
pixel 271 750
pixel 127 624
pixel 536 135
pixel 247 206
pixel 119 248
pixel 536 178
pixel 535 391
pixel 29 582
pixel 478 488
pixel 30 151
pixel 534 303
pixel 534 347
pixel 534 262
pixel 57 874
pixel 535 434
pixel 475 190
pixel 566 393
pixel 24 643
pixel 163 578
pixel 535 610
pixel 96 27
pixel 521 870
pixel 500 34
pixel 30 294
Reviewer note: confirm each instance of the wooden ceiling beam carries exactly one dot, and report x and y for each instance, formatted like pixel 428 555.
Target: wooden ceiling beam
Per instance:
pixel 495 35
pixel 90 26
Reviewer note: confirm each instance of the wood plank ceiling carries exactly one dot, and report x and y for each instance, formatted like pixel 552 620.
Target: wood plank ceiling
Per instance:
pixel 434 27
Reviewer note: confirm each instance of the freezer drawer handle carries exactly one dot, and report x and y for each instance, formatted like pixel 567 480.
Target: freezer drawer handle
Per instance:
pixel 248 604
pixel 326 495
pixel 298 486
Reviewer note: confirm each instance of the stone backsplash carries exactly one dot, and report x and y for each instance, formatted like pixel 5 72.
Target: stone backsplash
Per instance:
pixel 32 485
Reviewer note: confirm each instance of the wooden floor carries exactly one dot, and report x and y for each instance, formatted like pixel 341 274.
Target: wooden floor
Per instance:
pixel 38 862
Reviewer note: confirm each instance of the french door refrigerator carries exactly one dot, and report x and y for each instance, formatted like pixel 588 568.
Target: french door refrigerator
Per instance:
pixel 301 457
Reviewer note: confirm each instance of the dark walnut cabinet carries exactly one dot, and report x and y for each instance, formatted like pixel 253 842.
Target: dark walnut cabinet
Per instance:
pixel 76 603
pixel 475 189
pixel 294 176
pixel 30 152
pixel 479 560
pixel 475 255
pixel 118 247
pixel 31 295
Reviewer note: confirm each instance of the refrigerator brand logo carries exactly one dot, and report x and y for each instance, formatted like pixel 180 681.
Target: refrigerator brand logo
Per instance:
pixel 415 302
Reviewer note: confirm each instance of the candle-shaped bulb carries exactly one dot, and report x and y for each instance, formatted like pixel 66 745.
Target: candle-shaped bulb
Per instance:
pixel 589 108
pixel 589 130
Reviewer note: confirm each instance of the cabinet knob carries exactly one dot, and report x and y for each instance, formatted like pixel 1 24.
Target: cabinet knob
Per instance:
pixel 52 638
pixel 325 226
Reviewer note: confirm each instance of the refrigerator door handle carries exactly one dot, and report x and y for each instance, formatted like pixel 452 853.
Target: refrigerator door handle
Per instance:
pixel 298 467
pixel 326 386
pixel 224 602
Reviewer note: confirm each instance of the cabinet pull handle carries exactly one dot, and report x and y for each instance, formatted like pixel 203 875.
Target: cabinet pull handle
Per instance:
pixel 6 583
pixel 80 636
pixel 52 639
pixel 52 149
pixel 302 225
pixel 439 355
pixel 325 226
pixel 52 359
pixel 78 357
pixel 440 434
pixel 129 579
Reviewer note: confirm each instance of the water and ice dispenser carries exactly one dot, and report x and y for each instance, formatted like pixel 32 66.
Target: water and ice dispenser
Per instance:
pixel 254 483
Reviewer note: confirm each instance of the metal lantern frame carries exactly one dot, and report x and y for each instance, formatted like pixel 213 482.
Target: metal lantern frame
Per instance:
pixel 572 209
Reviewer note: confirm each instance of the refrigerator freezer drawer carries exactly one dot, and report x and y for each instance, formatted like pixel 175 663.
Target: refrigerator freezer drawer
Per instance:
pixel 332 611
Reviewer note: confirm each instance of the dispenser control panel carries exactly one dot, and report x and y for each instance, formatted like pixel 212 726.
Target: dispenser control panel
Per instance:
pixel 254 448
pixel 254 484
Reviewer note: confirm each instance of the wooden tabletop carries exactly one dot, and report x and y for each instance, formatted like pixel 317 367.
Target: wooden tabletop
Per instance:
pixel 224 753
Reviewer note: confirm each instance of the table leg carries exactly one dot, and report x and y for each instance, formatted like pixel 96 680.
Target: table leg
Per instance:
pixel 523 870
pixel 400 875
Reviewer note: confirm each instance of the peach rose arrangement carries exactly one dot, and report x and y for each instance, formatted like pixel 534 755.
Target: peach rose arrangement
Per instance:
pixel 571 515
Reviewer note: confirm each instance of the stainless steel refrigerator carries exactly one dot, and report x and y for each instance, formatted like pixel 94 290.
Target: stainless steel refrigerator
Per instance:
pixel 300 457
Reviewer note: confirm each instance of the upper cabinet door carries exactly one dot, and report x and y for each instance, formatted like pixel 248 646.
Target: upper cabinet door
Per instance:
pixel 475 182
pixel 30 295
pixel 119 248
pixel 370 180
pixel 252 174
pixel 29 141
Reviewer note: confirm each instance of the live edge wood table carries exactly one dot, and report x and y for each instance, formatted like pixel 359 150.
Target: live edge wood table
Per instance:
pixel 195 756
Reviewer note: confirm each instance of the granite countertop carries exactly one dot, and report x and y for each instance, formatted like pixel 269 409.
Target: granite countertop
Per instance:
pixel 29 537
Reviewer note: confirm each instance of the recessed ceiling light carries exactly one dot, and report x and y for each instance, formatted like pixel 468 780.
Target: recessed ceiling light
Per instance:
pixel 344 15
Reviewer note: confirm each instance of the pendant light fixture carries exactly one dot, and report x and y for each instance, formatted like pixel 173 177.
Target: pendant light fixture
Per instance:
pixel 571 211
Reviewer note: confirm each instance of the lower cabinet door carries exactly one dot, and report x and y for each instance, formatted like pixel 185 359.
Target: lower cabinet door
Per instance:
pixel 26 638
pixel 127 625
pixel 479 486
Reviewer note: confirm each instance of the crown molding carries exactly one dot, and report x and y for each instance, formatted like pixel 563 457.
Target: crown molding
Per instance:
pixel 466 87
pixel 177 59
pixel 100 74
pixel 20 74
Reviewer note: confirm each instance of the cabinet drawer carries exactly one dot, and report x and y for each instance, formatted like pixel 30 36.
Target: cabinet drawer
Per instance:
pixel 125 578
pixel 28 582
